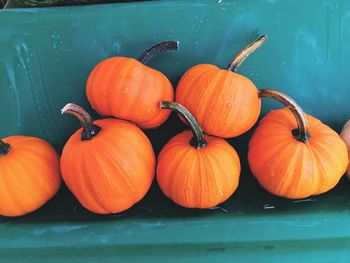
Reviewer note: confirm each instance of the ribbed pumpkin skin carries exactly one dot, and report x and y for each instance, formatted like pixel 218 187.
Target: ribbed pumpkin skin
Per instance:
pixel 126 89
pixel 293 169
pixel 112 171
pixel 29 175
pixel 198 178
pixel 224 103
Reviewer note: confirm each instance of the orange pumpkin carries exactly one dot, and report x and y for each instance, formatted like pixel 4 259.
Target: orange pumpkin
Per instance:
pixel 117 84
pixel 108 164
pixel 232 98
pixel 345 135
pixel 29 174
pixel 294 155
pixel 197 171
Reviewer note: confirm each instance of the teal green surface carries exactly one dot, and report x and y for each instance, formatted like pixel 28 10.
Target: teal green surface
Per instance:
pixel 46 56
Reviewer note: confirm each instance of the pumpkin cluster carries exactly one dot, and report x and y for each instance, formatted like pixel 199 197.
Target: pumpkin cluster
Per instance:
pixel 109 164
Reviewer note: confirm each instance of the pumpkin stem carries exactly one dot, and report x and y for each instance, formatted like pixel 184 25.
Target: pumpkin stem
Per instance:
pixel 90 130
pixel 198 140
pixel 4 148
pixel 301 133
pixel 154 50
pixel 241 56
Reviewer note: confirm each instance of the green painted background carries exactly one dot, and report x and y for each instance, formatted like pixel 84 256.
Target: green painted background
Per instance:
pixel 46 55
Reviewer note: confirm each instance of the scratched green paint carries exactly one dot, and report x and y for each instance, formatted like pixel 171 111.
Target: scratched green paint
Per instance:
pixel 46 56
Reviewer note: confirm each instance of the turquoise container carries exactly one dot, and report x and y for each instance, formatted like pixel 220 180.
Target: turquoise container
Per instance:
pixel 46 56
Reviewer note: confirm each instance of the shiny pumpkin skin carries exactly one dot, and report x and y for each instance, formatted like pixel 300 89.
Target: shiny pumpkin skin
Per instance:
pixel 232 99
pixel 29 175
pixel 293 169
pixel 112 171
pixel 198 177
pixel 117 85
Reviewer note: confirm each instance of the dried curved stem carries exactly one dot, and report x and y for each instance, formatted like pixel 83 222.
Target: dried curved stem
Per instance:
pixel 198 140
pixel 90 130
pixel 4 148
pixel 242 55
pixel 301 133
pixel 154 50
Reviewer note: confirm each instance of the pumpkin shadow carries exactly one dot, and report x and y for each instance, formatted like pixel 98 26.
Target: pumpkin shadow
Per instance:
pixel 249 200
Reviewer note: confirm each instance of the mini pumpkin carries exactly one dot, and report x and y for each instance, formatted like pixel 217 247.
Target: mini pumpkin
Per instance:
pixel 232 98
pixel 196 170
pixel 117 84
pixel 294 155
pixel 345 135
pixel 108 164
pixel 29 174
